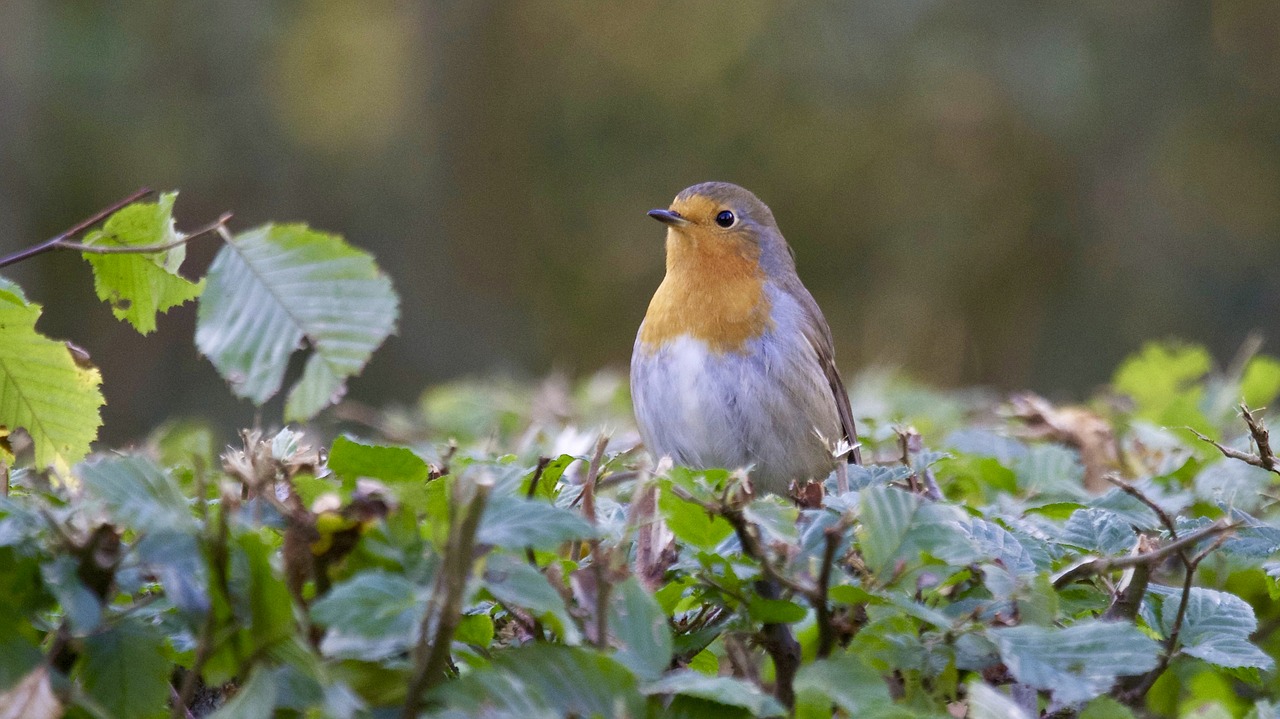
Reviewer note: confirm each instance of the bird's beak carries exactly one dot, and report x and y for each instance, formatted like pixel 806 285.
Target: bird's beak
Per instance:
pixel 668 217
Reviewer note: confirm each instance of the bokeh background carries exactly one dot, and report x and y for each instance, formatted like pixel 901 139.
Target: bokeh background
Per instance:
pixel 1002 192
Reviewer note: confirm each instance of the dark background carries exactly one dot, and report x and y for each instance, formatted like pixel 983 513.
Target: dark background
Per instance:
pixel 1005 192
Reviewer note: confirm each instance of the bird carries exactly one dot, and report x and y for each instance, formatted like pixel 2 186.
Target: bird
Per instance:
pixel 734 364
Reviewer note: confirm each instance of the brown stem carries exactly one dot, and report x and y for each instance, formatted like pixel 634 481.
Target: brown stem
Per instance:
pixel 431 654
pixel 821 608
pixel 1102 565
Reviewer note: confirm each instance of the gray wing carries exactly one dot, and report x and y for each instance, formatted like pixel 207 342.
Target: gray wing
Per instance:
pixel 819 335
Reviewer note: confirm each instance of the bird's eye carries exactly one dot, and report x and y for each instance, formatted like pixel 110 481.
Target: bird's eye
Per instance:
pixel 725 219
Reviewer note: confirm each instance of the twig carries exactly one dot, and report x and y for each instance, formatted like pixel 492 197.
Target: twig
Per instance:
pixel 431 654
pixel 598 559
pixel 776 638
pixel 144 249
pixel 1102 565
pixel 1265 458
pixel 50 244
pixel 821 608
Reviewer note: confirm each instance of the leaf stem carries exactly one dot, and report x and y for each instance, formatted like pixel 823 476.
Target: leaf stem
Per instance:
pixel 52 243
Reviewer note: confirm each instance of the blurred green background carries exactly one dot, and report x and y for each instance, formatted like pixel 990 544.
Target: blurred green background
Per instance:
pixel 1004 192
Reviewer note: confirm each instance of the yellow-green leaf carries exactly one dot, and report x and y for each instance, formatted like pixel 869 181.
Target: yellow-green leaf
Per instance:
pixel 139 286
pixel 42 388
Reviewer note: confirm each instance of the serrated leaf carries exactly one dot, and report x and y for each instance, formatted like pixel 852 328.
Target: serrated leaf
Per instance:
pixel 1099 530
pixel 275 287
pixel 125 671
pixel 641 628
pixel 42 388
pixel 1076 663
pixel 1051 469
pixel 725 691
pixel 137 494
pixel 542 680
pixel 1216 627
pixel 513 523
pixel 996 543
pixel 897 526
pixel 1232 483
pixel 140 286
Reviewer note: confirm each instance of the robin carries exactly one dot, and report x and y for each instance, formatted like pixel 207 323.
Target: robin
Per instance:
pixel 733 365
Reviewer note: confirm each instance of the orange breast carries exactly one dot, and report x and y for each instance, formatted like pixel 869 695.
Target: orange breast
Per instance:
pixel 713 291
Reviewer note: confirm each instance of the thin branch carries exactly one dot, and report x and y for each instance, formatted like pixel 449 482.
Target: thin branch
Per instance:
pixel 52 243
pixel 598 556
pixel 1141 496
pixel 431 654
pixel 821 607
pixel 1265 458
pixel 145 249
pixel 1102 565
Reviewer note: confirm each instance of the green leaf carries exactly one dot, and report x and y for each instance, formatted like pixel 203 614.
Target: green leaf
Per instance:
pixel 139 286
pixel 543 680
pixel 897 527
pixel 42 388
pixel 513 523
pixel 125 671
pixel 371 604
pixel 275 287
pixel 1099 530
pixel 1076 663
pixel 844 680
pixel 641 628
pixel 1216 627
pixel 775 611
pixel 1105 707
pixel 690 522
pixel 82 608
pixel 475 629
pixel 137 494
pixel 1163 380
pixel 725 691
pixel 516 584
pixel 391 464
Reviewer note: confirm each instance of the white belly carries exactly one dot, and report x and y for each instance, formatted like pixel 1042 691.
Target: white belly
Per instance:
pixel 765 408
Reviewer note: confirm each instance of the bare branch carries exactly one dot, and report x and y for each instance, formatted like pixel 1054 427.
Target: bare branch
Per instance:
pixel 1102 565
pixel 145 249
pixel 431 654
pixel 1265 458
pixel 52 243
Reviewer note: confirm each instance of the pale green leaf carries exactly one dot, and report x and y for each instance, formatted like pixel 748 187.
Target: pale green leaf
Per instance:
pixel 641 628
pixel 1216 627
pixel 725 691
pixel 1076 663
pixel 276 287
pixel 139 286
pixel 542 680
pixel 513 522
pixel 42 388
